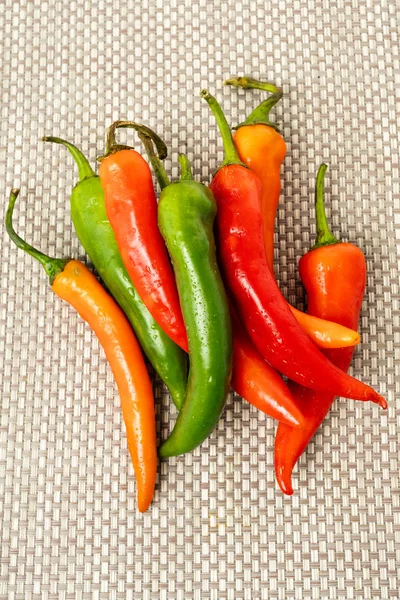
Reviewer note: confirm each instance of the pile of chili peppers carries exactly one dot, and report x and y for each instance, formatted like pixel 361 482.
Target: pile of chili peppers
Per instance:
pixel 191 284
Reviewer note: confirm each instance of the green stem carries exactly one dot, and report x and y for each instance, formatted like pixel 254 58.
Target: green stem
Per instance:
pixel 111 142
pixel 158 167
pixel 231 154
pixel 324 235
pixel 52 266
pixel 260 115
pixel 144 131
pixel 85 170
pixel 186 169
pixel 150 139
pixel 248 83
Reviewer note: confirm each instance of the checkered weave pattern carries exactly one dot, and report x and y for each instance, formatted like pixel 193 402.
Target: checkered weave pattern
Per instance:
pixel 218 528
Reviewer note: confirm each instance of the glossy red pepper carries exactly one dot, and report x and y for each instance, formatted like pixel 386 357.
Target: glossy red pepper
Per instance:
pixel 257 382
pixel 256 296
pixel 334 275
pixel 131 207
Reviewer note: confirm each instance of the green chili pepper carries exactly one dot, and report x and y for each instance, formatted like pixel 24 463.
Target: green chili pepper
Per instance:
pixel 97 237
pixel 186 214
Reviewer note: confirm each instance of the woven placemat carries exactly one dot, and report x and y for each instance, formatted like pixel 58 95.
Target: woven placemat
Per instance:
pixel 218 527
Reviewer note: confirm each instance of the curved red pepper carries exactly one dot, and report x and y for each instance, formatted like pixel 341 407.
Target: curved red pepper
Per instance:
pixel 257 382
pixel 334 275
pixel 259 303
pixel 131 206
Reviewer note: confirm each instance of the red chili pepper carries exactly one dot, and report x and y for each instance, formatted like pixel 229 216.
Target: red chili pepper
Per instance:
pixel 334 275
pixel 257 382
pixel 263 310
pixel 131 207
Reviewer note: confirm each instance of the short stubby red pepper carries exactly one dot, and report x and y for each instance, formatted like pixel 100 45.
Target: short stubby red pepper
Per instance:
pixel 334 275
pixel 131 207
pixel 254 291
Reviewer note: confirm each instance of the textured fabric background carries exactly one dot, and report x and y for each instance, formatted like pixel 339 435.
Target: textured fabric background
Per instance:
pixel 218 528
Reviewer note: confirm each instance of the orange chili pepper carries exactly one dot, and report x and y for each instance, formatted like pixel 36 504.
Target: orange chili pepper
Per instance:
pixel 131 206
pixel 326 334
pixel 262 149
pixel 74 283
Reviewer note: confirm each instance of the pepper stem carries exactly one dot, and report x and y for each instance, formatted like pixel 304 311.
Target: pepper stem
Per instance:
pixel 85 170
pixel 231 154
pixel 111 142
pixel 186 169
pixel 248 83
pixel 52 266
pixel 260 115
pixel 150 139
pixel 324 236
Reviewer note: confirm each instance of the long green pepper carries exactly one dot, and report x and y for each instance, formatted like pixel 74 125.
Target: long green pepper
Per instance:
pixel 186 214
pixel 97 237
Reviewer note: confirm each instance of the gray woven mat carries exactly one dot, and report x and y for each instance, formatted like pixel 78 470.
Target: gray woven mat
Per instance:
pixel 218 528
